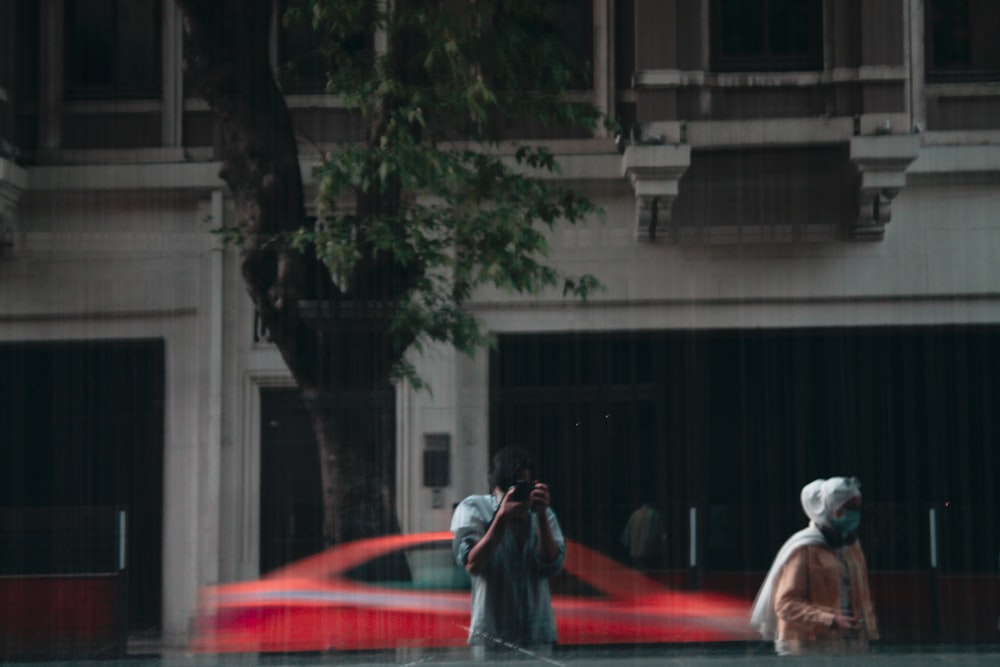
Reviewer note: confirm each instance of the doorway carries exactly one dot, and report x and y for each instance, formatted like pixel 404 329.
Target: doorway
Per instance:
pixel 81 426
pixel 291 503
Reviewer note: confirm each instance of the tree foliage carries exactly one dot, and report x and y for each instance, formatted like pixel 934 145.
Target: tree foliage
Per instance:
pixel 437 199
pixel 449 199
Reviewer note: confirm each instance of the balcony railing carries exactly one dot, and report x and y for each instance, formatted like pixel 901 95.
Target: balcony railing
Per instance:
pixel 8 151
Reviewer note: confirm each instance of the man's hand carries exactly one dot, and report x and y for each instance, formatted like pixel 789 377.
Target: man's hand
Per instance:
pixel 507 517
pixel 539 498
pixel 510 509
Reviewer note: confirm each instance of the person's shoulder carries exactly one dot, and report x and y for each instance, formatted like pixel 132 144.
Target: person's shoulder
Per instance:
pixel 476 504
pixel 472 511
pixel 823 555
pixel 807 551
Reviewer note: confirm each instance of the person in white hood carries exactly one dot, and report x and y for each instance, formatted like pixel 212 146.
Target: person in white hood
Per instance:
pixel 815 598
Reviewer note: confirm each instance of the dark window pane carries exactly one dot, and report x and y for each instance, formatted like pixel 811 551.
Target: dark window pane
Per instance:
pixel 301 62
pixel 742 28
pixel 788 24
pixel 624 43
pixel 307 53
pixel 89 42
pixel 778 35
pixel 112 48
pixel 575 26
pixel 950 32
pixel 430 567
pixel 25 75
pixel 962 40
pixel 137 44
pixel 388 570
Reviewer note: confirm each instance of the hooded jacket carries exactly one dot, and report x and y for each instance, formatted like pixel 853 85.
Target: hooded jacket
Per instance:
pixel 802 595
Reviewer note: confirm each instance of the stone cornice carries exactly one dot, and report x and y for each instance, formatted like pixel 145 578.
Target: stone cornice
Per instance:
pixel 674 78
pixel 651 166
pixel 155 176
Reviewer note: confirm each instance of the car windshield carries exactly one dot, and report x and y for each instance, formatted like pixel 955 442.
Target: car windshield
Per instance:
pixel 431 567
pixel 423 567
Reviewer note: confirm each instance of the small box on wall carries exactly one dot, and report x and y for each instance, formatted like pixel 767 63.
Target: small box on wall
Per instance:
pixel 437 459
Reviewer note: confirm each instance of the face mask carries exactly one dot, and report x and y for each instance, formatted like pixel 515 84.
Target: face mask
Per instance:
pixel 848 523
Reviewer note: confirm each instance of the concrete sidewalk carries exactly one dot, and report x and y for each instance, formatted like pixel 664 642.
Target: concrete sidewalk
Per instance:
pixel 887 658
pixel 753 654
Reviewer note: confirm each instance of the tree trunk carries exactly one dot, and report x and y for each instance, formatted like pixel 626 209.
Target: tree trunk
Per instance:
pixel 356 464
pixel 330 456
pixel 227 61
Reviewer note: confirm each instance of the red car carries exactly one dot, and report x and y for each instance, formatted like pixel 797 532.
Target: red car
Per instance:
pixel 405 591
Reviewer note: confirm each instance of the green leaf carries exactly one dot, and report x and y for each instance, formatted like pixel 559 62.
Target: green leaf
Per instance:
pixel 424 195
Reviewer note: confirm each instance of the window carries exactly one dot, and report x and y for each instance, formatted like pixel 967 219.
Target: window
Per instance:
pixel 112 48
pixel 566 27
pixel 306 54
pixel 575 27
pixel 961 40
pixel 426 567
pixel 23 80
pixel 766 35
pixel 302 66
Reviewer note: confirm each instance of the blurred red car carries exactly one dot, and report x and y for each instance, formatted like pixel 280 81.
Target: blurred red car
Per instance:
pixel 405 591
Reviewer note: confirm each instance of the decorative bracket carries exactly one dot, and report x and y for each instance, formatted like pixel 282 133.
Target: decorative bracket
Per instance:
pixel 882 161
pixel 654 171
pixel 13 181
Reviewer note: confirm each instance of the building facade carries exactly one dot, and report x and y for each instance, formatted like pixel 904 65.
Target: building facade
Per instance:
pixel 801 220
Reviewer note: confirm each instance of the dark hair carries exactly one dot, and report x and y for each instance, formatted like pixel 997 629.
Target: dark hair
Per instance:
pixel 507 465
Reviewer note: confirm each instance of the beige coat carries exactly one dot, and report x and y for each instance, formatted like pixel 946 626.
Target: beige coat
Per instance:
pixel 807 600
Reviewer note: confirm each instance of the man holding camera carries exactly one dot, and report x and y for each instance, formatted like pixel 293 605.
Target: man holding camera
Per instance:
pixel 510 543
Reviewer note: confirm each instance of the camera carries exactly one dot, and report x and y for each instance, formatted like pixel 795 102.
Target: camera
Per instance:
pixel 522 489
